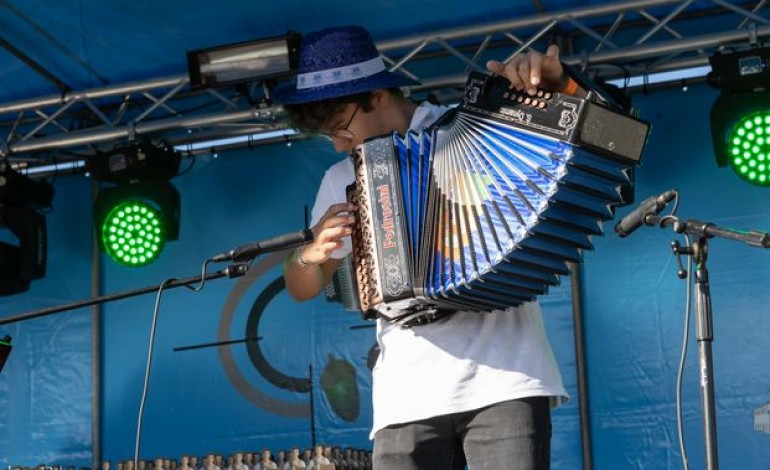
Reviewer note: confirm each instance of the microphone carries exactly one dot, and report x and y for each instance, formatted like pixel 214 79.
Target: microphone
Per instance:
pixel 635 219
pixel 251 250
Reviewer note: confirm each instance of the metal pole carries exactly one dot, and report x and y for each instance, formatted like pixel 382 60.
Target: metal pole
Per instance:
pixel 100 92
pixel 231 271
pixel 312 406
pixel 5 44
pixel 576 287
pixel 705 334
pixel 525 22
pixel 96 347
pixel 116 133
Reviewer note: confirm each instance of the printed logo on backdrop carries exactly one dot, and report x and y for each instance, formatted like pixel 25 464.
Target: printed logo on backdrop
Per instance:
pixel 762 418
pixel 338 380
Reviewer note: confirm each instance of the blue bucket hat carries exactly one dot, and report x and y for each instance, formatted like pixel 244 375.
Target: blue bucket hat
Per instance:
pixel 336 62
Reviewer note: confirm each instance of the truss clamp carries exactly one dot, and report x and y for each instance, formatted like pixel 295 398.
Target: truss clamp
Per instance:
pixel 753 37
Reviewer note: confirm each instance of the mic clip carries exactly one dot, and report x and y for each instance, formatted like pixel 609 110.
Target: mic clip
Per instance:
pixel 236 270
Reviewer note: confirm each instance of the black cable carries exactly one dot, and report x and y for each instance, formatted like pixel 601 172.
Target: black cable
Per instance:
pixel 147 370
pixel 683 359
pixel 151 349
pixel 203 277
pixel 685 336
pixel 189 167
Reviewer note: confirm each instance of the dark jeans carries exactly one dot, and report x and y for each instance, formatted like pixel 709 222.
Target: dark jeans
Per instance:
pixel 513 435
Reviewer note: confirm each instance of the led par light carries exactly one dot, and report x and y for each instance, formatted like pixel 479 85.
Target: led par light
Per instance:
pixel 740 116
pixel 137 216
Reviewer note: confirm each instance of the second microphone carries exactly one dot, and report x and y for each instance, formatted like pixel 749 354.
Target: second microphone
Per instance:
pixel 252 250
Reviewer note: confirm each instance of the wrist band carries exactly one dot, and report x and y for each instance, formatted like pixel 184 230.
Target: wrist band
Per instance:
pixel 571 87
pixel 298 257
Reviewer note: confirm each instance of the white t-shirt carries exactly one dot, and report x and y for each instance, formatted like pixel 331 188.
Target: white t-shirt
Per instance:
pixel 464 362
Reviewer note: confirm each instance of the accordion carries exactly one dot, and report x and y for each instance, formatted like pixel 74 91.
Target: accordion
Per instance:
pixel 484 209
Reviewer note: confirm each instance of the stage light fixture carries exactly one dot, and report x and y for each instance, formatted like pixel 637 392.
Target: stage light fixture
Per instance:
pixel 740 116
pixel 244 61
pixel 23 256
pixel 5 350
pixel 137 216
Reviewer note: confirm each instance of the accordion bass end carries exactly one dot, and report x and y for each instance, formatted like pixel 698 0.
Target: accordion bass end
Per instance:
pixel 484 209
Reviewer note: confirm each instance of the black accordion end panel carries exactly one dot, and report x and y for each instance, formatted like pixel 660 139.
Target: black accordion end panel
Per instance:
pixel 484 209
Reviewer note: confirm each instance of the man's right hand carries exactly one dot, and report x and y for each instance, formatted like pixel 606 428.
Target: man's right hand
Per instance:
pixel 328 233
pixel 307 276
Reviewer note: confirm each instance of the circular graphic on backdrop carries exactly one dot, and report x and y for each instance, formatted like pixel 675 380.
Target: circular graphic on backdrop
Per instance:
pixel 255 396
pixel 270 373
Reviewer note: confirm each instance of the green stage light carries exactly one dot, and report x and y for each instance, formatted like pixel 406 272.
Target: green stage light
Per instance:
pixel 135 221
pixel 132 233
pixel 749 148
pixel 138 213
pixel 740 116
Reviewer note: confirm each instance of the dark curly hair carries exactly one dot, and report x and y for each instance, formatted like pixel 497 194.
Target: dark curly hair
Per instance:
pixel 312 117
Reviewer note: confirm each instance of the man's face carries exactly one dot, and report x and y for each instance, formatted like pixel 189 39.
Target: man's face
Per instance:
pixel 351 126
pixel 343 128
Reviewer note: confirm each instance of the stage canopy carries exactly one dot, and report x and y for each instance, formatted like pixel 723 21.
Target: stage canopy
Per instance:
pixel 78 76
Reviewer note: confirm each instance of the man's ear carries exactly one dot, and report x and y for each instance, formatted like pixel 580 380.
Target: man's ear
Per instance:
pixel 380 97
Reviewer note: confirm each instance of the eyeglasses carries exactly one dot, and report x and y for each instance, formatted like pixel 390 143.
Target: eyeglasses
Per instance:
pixel 343 132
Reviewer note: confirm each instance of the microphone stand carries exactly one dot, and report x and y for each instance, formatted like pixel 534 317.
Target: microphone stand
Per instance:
pixel 234 270
pixel 702 231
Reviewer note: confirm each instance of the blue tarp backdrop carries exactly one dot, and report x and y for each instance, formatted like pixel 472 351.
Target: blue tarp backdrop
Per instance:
pixel 256 394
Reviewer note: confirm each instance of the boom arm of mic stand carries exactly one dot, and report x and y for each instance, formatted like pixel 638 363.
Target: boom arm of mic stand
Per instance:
pixel 709 230
pixel 234 270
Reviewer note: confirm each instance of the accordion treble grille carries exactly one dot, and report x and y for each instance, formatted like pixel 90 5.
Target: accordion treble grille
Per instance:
pixel 362 236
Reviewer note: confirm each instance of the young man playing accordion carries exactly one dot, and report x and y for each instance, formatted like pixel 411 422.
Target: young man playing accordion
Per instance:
pixel 472 387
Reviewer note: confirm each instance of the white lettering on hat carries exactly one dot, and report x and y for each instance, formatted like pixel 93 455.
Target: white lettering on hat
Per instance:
pixel 340 74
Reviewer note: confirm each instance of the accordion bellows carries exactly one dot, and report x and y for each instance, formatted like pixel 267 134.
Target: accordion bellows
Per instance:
pixel 482 210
